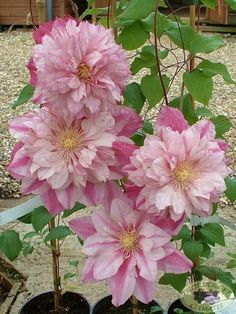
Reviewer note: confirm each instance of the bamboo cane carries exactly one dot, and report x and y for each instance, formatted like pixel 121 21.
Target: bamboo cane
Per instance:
pixel 40 4
pixel 113 17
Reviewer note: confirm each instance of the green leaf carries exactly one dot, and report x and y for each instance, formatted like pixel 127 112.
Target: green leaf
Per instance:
pixel 163 24
pixel 96 11
pixel 133 36
pixel 188 110
pixel 231 188
pixel 148 127
pixel 231 263
pixel 25 95
pixel 30 234
pixel 205 43
pixel 192 249
pixel 199 85
pixel 181 35
pixel 147 58
pixel 184 233
pixel 233 255
pixel 139 64
pixel 213 232
pixel 90 2
pixel 207 271
pixel 40 218
pixel 215 273
pixel 27 249
pixel 203 112
pixel 206 250
pixel 222 125
pixel 80 240
pixel 138 9
pixel 177 281
pixel 133 97
pixel 74 263
pixel 69 275
pixel 26 219
pixel 209 3
pixel 11 244
pixel 77 207
pixel 138 139
pixel 58 233
pixel 231 3
pixel 211 69
pixel 156 309
pixel 152 88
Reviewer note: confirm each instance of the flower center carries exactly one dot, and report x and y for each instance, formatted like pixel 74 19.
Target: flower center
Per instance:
pixel 69 139
pixel 84 72
pixel 183 175
pixel 129 241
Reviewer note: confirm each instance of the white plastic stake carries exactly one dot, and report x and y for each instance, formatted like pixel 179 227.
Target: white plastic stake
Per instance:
pixel 20 210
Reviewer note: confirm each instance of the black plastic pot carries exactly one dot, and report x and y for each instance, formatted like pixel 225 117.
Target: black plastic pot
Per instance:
pixel 73 303
pixel 104 306
pixel 177 304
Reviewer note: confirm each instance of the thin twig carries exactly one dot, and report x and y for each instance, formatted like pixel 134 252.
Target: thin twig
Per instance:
pixel 31 13
pixel 157 55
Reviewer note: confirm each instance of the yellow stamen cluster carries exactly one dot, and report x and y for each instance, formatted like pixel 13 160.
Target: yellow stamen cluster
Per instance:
pixel 84 72
pixel 183 175
pixel 128 241
pixel 69 139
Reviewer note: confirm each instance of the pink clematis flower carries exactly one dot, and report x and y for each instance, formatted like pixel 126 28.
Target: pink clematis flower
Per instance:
pixel 38 34
pixel 125 248
pixel 182 168
pixel 57 156
pixel 89 75
pixel 46 28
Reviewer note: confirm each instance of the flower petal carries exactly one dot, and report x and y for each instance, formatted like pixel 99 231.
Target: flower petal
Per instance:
pixel 83 227
pixel 122 284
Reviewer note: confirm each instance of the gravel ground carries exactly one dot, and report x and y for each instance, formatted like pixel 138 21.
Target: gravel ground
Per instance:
pixel 14 55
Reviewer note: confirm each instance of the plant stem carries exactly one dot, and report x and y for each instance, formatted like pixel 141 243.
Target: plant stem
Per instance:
pixel 134 305
pixel 55 267
pixel 192 57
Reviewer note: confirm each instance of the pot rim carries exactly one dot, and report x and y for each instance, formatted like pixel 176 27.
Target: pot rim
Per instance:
pixel 170 304
pixel 110 296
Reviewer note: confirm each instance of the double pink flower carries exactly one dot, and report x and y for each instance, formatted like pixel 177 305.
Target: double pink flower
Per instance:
pixel 127 248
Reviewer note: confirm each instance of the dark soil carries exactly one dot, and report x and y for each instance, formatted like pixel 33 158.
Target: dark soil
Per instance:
pixel 104 306
pixel 73 303
pixel 177 304
pixel 5 288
